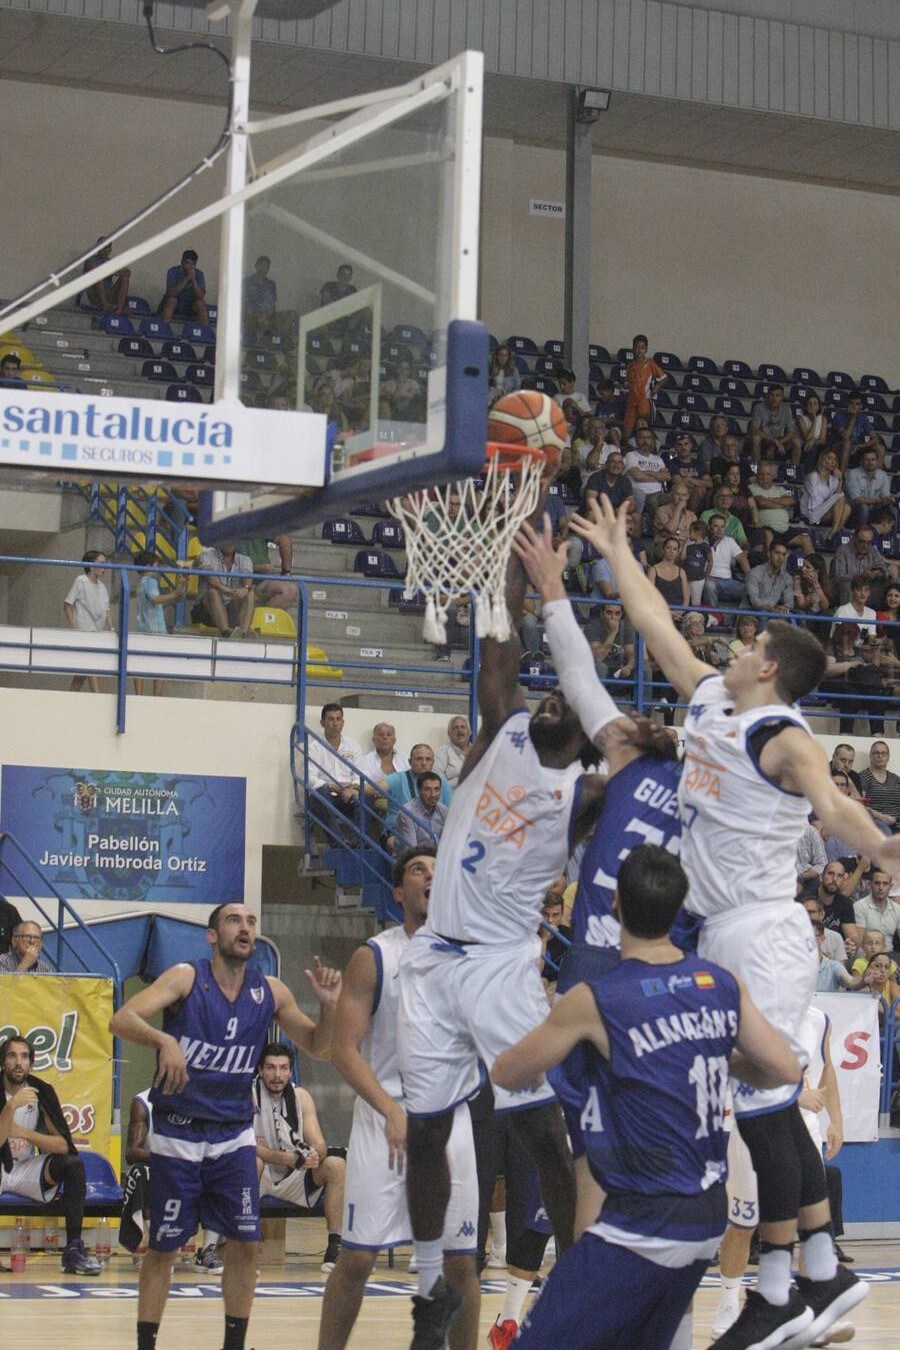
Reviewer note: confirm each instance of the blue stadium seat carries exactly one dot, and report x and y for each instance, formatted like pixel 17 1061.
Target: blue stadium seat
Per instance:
pixel 696 402
pixel 410 334
pixel 257 358
pixel 875 384
pixel 701 384
pixel 356 347
pixel 277 342
pixel 663 399
pixel 798 393
pixel 597 353
pixel 374 509
pixel 138 347
pixel 704 365
pixel 176 350
pixel 157 329
pixel 835 398
pixel 183 393
pixel 730 407
pixel 341 530
pixel 396 352
pixel 668 361
pixel 388 534
pixel 136 304
pixel 806 375
pixel 373 563
pixel 198 332
pixel 250 382
pixel 118 324
pixel 879 421
pixel 737 388
pixel 688 421
pixel 596 372
pixel 875 403
pixel 521 363
pixel 624 355
pixel 788 473
pixel 546 365
pixel 200 374
pixel 769 371
pixel 542 383
pixel 159 370
pixel 895 443
pixel 535 672
pixel 738 369
pixel 522 346
pixel 839 379
pixel 209 355
pixel 556 348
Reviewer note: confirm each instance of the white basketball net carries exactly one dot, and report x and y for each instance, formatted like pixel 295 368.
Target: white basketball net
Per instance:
pixel 456 550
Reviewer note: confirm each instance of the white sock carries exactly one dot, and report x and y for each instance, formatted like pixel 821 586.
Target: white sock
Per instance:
pixel 430 1259
pixel 819 1259
pixel 210 1239
pixel 498 1228
pixel 516 1293
pixel 774 1279
pixel 728 1293
pixel 684 1335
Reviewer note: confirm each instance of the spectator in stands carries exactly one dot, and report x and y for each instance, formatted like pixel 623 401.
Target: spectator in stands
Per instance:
pixel 858 611
pixel 883 520
pixel 611 640
pixel 811 424
pixel 832 895
pixel 292 1157
pixel 723 500
pixel 770 586
pixel 402 787
pixel 743 504
pixel 611 407
pixel 774 503
pixel 643 377
pixel 873 942
pixel 867 486
pixel 333 787
pixel 451 755
pixel 860 556
pixel 696 555
pixel 592 448
pixel 812 588
pixel 421 820
pixel 849 674
pixel 772 427
pixel 854 431
pixel 877 981
pixel 731 454
pixel 9 921
pixel 260 298
pixel 710 646
pixel 503 374
pixel 109 295
pixel 880 787
pixel 835 947
pixel 39 1156
pixel 878 911
pixel 185 296
pixel 151 601
pixel 567 390
pixel 832 976
pixel 280 592
pixel 722 587
pixel 889 620
pixel 684 464
pixel 673 520
pixel 553 947
pixel 668 576
pixel 711 447
pixel 746 629
pixel 26 954
pixel 11 371
pixel 340 288
pixel 611 481
pixel 811 859
pixel 822 501
pixel 86 608
pixel 403 390
pixel 646 470
pixel 842 760
pixel 385 758
pixel 225 602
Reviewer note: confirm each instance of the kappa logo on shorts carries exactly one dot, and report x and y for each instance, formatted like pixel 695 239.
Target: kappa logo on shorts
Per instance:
pixel 653 988
pixel 466 1229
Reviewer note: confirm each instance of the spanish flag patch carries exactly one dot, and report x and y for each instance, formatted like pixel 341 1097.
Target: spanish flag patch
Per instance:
pixel 703 979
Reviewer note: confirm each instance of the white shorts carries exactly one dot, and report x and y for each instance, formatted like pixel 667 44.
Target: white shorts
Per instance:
pixel 459 1005
pixel 772 948
pixel 26 1179
pixel 743 1201
pixel 375 1212
pixel 297 1188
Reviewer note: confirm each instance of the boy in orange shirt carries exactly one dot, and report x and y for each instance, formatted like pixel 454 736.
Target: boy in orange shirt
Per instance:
pixel 642 376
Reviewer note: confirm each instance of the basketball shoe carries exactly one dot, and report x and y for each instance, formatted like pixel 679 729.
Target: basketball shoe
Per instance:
pixel 763 1325
pixel 77 1260
pixel 502 1334
pixel 209 1261
pixel 433 1317
pixel 829 1300
pixel 727 1314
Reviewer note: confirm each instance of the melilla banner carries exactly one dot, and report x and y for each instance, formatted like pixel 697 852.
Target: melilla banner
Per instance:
pixel 65 1019
pixel 155 838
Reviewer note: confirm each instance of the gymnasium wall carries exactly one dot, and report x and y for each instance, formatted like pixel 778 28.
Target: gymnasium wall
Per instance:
pixel 704 261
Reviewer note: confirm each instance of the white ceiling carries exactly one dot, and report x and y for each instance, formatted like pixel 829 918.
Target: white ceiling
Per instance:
pixel 118 56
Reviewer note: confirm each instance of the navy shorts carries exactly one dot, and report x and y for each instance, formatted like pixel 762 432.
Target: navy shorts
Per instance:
pixel 202 1173
pixel 603 1297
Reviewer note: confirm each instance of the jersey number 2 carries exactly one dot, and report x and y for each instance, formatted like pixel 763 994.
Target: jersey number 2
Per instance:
pixel 471 860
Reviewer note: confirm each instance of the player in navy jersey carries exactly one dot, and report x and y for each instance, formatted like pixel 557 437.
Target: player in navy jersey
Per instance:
pixel 661 1029
pixel 753 773
pixel 216 1019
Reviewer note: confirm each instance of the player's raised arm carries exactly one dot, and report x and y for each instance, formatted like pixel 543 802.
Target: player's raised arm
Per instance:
pixel 313 1037
pixel 573 1018
pixel 644 604
pixel 131 1022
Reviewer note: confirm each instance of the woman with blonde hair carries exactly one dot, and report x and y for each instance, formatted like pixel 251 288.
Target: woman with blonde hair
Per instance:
pixel 821 500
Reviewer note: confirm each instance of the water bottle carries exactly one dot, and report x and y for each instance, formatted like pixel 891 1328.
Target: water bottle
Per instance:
pixel 189 1251
pixel 102 1248
pixel 51 1236
pixel 19 1248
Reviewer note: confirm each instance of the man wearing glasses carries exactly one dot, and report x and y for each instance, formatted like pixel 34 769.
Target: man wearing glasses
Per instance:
pixel 25 954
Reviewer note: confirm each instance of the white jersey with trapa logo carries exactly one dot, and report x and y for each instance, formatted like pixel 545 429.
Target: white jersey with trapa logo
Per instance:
pixel 379 1045
pixel 507 836
pixel 739 829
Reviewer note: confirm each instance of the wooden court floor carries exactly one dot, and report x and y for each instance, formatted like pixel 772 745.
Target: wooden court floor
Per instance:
pixel 45 1309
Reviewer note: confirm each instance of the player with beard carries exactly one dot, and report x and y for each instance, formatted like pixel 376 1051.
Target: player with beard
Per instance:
pixel 216 1019
pixel 469 980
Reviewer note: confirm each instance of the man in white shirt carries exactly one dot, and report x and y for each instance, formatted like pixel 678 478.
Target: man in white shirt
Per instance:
pixel 86 608
pixel 721 587
pixel 566 383
pixel 645 468
pixel 332 786
pixel 879 911
pixel 385 758
pixel 856 610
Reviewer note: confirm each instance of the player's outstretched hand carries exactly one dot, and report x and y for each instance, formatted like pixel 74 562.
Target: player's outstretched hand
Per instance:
pixel 325 982
pixel 889 855
pixel 172 1074
pixel 605 528
pixel 544 564
pixel 395 1134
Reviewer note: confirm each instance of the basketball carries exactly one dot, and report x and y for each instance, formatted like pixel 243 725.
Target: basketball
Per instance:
pixel 530 418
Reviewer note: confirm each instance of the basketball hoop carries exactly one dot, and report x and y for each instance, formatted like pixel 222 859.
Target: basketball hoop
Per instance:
pixel 459 537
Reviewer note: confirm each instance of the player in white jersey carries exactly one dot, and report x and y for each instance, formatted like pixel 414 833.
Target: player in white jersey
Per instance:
pixel 752 774
pixel 469 982
pixel 365 1053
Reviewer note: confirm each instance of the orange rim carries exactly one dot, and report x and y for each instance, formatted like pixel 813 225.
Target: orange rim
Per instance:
pixel 511 458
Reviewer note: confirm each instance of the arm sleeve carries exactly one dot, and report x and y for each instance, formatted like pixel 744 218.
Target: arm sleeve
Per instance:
pixel 575 664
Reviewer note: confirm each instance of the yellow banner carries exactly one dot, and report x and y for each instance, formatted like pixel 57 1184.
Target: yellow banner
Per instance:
pixel 65 1019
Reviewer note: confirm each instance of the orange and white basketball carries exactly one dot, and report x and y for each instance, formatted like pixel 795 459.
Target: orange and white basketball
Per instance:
pixel 530 418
